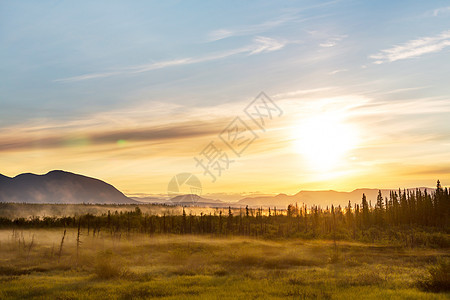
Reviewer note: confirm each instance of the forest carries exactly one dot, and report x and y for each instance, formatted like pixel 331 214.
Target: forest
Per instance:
pixel 408 217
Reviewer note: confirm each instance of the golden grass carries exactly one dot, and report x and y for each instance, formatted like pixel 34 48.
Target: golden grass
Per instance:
pixel 203 267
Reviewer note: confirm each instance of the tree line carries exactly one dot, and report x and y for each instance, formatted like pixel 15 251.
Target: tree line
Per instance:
pixel 425 215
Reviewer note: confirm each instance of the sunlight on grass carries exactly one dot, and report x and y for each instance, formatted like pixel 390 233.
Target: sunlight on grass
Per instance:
pixel 192 267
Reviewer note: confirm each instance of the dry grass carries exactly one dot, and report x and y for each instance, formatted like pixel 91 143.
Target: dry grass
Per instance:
pixel 439 278
pixel 192 267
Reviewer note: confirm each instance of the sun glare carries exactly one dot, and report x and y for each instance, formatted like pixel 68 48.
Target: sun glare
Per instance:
pixel 324 141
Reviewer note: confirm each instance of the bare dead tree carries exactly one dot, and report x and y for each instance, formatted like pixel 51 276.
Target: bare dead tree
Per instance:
pixel 30 246
pixel 61 245
pixel 78 238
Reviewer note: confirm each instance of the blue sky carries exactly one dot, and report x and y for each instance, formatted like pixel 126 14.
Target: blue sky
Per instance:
pixel 64 63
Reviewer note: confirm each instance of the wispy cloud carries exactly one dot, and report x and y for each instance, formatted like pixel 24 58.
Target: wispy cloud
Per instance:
pixel 148 124
pixel 88 76
pixel 337 71
pixel 294 94
pixel 253 29
pixel 52 138
pixel 265 44
pixel 428 170
pixel 413 48
pixel 260 45
pixel 388 108
pixel 138 69
pixel 332 41
pixel 223 33
pixel 402 90
pixel 441 10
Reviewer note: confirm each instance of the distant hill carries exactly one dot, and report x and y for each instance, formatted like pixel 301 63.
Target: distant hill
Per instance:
pixel 184 200
pixel 195 200
pixel 59 187
pixel 65 187
pixel 322 198
pixel 151 200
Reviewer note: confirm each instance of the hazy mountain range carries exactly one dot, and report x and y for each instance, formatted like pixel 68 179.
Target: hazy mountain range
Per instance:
pixel 59 187
pixel 66 187
pixel 322 198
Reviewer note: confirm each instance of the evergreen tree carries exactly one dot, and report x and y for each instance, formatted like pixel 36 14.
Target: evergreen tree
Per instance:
pixel 379 209
pixel 229 220
pixel 349 214
pixel 365 212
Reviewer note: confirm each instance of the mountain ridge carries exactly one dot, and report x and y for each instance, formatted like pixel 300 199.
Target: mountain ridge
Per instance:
pixel 59 186
pixel 62 187
pixel 321 197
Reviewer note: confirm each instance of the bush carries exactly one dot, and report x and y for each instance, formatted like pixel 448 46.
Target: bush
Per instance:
pixel 108 266
pixel 439 278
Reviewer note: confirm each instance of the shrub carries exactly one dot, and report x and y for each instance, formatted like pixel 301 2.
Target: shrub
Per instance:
pixel 439 277
pixel 108 266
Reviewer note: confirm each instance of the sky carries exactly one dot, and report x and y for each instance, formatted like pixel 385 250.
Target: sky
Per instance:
pixel 356 93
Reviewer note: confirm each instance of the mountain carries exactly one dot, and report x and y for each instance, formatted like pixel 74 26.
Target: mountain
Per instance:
pixel 280 200
pixel 195 200
pixel 4 178
pixel 66 187
pixel 59 187
pixel 322 198
pixel 184 200
pixel 152 200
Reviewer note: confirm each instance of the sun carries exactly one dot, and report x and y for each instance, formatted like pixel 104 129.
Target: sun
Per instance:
pixel 324 140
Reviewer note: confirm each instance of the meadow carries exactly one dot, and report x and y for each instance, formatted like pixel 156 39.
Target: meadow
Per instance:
pixel 41 264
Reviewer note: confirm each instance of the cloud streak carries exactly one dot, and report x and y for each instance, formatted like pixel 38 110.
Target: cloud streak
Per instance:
pixel 223 33
pixel 167 132
pixel 265 44
pixel 259 45
pixel 254 29
pixel 333 41
pixel 413 48
pixel 337 71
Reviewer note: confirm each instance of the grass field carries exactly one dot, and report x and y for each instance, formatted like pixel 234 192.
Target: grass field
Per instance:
pixel 34 265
